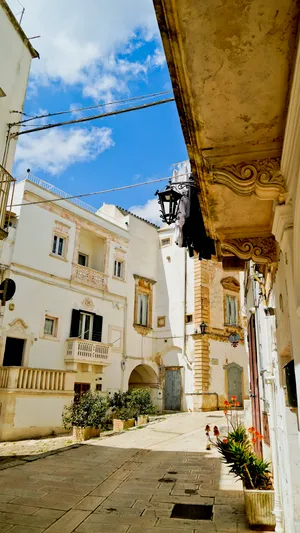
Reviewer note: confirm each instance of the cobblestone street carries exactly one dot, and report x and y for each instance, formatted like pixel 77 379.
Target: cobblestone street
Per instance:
pixel 125 483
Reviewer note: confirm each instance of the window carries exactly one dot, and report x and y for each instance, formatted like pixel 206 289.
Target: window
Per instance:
pixel 50 326
pixel 86 326
pixel 99 387
pixel 118 269
pixel 188 319
pixel 58 246
pixel 83 260
pixel 143 304
pixel 165 242
pixel 161 321
pixel 231 310
pixel 80 389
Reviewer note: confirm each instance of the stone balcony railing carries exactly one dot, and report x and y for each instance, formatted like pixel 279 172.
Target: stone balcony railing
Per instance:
pixel 35 379
pixel 89 276
pixel 87 352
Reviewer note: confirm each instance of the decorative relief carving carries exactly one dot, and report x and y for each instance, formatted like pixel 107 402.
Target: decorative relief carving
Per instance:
pixel 230 284
pixel 88 304
pixel 18 323
pixel 262 250
pixel 261 177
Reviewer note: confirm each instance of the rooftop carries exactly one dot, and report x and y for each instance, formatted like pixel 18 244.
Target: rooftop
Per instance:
pixel 18 29
pixel 77 201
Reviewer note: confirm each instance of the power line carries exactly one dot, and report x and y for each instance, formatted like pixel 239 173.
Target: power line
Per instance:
pixel 94 117
pixel 114 189
pixel 142 97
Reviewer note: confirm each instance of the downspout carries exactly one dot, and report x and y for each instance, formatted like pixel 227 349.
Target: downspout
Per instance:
pixel 124 351
pixel 184 304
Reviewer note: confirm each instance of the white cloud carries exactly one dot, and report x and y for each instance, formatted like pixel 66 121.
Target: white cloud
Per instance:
pixel 150 211
pixel 55 150
pixel 80 42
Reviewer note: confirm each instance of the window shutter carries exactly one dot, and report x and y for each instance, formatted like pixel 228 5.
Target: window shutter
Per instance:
pixel 97 328
pixel 74 331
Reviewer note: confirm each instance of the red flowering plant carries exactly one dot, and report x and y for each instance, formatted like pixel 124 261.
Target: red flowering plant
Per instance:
pixel 236 449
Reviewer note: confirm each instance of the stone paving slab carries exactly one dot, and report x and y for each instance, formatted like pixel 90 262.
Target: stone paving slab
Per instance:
pixel 116 485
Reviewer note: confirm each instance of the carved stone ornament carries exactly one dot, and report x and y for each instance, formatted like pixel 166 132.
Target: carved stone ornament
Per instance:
pixel 230 284
pixel 88 304
pixel 18 323
pixel 261 177
pixel 261 250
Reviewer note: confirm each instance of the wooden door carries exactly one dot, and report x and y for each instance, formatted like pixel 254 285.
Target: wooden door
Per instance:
pixel 254 383
pixel 173 389
pixel 235 382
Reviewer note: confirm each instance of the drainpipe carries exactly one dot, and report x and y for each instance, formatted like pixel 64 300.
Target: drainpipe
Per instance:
pixel 184 303
pixel 124 351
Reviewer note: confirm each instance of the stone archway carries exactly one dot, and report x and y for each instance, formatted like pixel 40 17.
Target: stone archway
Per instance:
pixel 143 377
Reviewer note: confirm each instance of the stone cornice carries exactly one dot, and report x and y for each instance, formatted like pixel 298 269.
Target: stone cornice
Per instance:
pixel 151 281
pixel 261 177
pixel 231 284
pixel 283 220
pixel 262 250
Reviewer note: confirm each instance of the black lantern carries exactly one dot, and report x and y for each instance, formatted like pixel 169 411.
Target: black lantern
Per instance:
pixel 234 339
pixel 203 327
pixel 168 200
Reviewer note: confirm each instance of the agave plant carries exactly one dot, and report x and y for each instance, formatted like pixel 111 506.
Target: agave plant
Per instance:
pixel 237 451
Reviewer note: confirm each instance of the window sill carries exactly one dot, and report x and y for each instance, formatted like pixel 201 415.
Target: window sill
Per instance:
pixel 118 279
pixel 142 330
pixel 59 257
pixel 49 338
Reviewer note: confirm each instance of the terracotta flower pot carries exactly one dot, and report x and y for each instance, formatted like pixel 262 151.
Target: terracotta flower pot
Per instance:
pixel 142 420
pixel 259 505
pixel 80 434
pixel 121 425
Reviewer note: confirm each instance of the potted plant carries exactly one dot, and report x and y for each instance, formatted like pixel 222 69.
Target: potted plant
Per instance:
pixel 122 411
pixel 85 414
pixel 142 405
pixel 236 448
pixel 124 419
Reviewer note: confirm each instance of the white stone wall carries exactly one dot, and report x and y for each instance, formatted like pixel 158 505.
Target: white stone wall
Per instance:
pixel 15 61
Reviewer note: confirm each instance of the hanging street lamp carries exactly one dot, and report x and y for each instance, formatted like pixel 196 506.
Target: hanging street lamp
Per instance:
pixel 234 339
pixel 168 200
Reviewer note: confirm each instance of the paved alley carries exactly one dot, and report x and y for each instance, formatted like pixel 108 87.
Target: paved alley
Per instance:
pixel 125 483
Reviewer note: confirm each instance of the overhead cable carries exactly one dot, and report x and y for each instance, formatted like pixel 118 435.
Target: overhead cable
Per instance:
pixel 80 109
pixel 84 195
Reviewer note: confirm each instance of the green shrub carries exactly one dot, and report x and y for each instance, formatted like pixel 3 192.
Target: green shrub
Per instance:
pixel 141 402
pixel 89 410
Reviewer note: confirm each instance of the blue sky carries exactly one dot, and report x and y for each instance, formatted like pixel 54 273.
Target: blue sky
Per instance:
pixel 94 52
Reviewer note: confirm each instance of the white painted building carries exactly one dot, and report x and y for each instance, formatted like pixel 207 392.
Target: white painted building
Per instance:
pixel 104 300
pixel 16 54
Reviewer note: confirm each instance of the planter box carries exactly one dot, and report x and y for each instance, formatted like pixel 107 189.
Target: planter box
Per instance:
pixel 120 425
pixel 259 506
pixel 95 433
pixel 142 420
pixel 81 434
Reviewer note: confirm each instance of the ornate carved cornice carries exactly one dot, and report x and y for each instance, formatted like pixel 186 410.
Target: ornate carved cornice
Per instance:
pixel 262 250
pixel 261 177
pixel 230 283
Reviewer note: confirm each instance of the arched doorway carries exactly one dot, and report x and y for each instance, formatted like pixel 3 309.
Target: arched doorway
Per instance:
pixel 235 382
pixel 143 377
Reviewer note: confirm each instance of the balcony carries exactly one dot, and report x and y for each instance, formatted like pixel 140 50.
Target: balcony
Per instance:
pixel 35 379
pixel 89 276
pixel 81 351
pixel 6 180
